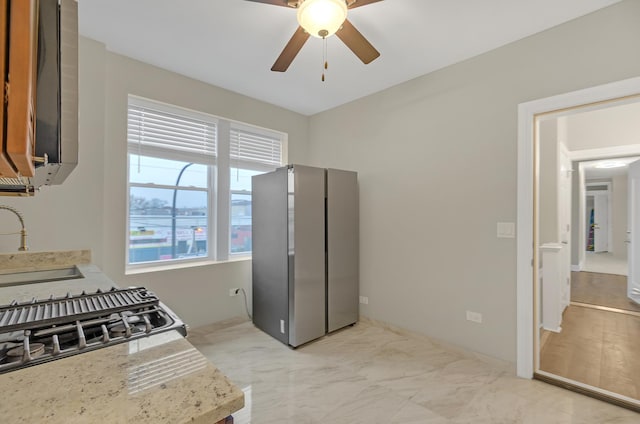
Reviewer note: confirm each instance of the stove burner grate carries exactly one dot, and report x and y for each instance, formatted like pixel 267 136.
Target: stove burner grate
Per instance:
pixel 19 316
pixel 40 331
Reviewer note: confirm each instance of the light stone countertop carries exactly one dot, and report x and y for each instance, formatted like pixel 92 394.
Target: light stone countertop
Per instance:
pixel 31 261
pixel 157 379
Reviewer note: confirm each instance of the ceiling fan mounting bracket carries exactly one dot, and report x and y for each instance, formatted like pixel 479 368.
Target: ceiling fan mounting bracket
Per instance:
pixel 296 3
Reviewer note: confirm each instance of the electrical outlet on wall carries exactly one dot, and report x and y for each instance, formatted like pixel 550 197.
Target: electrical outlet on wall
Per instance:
pixel 364 300
pixel 233 292
pixel 474 317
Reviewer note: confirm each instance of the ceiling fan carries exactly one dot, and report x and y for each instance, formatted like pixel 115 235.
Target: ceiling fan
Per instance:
pixel 321 19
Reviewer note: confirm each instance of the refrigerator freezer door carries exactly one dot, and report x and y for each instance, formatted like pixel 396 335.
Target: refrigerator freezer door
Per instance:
pixel 342 248
pixel 307 290
pixel 269 254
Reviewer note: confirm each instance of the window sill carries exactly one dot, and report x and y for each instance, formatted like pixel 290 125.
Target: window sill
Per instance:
pixel 183 265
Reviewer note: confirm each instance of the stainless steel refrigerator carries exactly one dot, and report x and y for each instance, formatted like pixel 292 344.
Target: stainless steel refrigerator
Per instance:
pixel 305 255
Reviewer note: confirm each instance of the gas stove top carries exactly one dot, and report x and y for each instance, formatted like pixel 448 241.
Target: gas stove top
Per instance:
pixel 44 330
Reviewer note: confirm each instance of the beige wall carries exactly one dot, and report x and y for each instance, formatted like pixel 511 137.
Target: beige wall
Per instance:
pixel 436 158
pixel 89 209
pixel 198 295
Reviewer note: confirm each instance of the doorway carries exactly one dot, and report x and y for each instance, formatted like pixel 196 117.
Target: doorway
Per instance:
pixel 599 334
pixel 597 217
pixel 623 92
pixel 600 267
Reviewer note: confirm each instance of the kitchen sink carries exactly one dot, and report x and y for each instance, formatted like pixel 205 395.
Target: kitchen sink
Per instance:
pixel 39 276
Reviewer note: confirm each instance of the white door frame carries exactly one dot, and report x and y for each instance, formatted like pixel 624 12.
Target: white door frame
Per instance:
pixel 596 97
pixel 632 233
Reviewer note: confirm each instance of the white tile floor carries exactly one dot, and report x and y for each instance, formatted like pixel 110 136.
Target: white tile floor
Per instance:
pixel 370 374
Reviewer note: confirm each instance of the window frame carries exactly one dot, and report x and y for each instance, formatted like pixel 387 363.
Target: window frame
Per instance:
pixel 249 167
pixel 210 256
pixel 219 184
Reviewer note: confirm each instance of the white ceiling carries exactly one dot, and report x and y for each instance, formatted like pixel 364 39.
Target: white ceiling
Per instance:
pixel 591 172
pixel 233 43
pixel 611 125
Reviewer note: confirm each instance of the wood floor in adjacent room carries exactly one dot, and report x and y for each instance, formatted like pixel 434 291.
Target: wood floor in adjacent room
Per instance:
pixel 601 289
pixel 597 347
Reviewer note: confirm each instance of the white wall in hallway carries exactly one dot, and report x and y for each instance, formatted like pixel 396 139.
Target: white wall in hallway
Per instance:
pixel 595 131
pixel 619 216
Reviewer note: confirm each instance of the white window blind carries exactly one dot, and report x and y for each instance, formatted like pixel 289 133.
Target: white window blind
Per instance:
pixel 255 147
pixel 150 130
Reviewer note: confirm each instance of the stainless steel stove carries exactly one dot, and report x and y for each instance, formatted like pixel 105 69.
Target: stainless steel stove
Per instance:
pixel 44 330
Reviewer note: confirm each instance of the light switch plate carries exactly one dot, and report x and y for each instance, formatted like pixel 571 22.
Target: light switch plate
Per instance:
pixel 506 230
pixel 474 317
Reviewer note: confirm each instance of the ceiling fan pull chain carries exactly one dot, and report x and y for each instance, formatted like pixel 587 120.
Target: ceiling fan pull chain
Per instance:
pixel 324 56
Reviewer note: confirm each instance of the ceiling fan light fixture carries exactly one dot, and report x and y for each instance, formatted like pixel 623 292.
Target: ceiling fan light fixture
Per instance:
pixel 322 18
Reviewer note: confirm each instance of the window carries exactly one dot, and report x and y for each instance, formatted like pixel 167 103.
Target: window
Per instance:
pixel 251 153
pixel 188 199
pixel 174 207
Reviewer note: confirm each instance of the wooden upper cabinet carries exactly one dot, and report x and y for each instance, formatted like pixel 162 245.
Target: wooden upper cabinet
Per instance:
pixel 6 169
pixel 20 87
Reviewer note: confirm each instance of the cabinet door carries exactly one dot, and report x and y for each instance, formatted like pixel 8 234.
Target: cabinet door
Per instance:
pixel 6 170
pixel 23 31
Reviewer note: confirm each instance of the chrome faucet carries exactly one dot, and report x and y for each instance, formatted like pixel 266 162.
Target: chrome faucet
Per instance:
pixel 23 232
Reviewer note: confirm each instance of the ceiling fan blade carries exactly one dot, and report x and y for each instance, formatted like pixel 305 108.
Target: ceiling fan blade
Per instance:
pixel 273 2
pixel 358 3
pixel 290 50
pixel 357 43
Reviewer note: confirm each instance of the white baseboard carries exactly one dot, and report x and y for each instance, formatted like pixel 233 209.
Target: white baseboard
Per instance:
pixel 575 268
